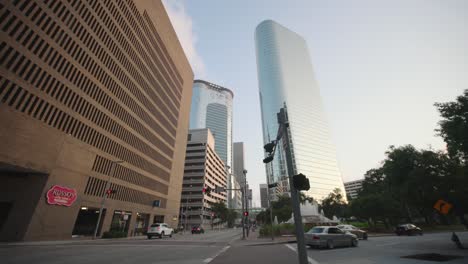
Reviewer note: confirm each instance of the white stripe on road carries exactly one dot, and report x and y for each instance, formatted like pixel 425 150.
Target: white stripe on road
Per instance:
pixel 208 260
pixel 311 260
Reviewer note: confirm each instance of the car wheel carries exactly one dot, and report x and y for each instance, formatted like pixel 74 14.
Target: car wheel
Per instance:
pixel 170 234
pixel 420 233
pixel 330 244
pixel 149 237
pixel 354 242
pixel 364 236
pixel 162 234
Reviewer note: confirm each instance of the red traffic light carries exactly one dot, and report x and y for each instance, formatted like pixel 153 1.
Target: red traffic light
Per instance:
pixel 246 213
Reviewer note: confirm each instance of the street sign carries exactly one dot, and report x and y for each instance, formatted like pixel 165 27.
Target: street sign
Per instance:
pixel 443 206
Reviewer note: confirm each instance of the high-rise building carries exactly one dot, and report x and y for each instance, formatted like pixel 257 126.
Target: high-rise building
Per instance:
pixel 94 102
pixel 238 163
pixel 212 108
pixel 264 195
pixel 286 79
pixel 238 172
pixel 353 187
pixel 203 168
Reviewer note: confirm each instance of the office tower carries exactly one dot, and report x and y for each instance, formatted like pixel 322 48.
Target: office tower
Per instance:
pixel 212 108
pixel 94 102
pixel 353 187
pixel 286 79
pixel 263 196
pixel 238 171
pixel 203 168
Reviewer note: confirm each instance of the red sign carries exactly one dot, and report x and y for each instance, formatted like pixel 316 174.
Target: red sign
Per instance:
pixel 60 195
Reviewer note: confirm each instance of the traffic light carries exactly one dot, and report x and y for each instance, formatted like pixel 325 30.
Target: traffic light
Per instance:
pixel 206 190
pixel 301 183
pixel 270 147
pixel 110 191
pixel 273 185
pixel 268 159
pixel 246 213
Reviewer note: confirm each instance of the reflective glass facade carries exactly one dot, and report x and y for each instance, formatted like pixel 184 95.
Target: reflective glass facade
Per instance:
pixel 212 108
pixel 286 78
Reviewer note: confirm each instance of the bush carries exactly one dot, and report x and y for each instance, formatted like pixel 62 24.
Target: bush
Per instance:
pixel 114 234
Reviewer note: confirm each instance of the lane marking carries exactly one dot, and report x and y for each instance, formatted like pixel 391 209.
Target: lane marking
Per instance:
pixel 208 260
pixel 311 260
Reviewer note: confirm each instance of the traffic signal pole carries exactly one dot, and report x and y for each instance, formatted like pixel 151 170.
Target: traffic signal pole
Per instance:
pixel 301 247
pixel 103 201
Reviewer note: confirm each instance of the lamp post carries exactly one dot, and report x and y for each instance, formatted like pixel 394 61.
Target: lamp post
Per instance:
pixel 103 201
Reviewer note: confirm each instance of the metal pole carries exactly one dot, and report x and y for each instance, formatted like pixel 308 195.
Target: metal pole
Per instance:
pixel 243 210
pixel 271 208
pixel 111 174
pixel 301 248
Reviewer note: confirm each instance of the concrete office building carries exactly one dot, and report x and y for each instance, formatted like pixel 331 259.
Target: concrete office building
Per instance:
pixel 91 93
pixel 263 196
pixel 353 187
pixel 286 79
pixel 212 108
pixel 203 168
pixel 238 171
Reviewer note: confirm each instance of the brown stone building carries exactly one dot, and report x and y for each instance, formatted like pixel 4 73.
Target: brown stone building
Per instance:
pixel 91 93
pixel 203 168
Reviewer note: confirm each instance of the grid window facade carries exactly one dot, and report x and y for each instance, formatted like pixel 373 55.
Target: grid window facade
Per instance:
pixel 99 71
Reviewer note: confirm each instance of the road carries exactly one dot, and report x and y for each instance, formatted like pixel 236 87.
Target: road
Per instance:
pixel 225 247
pixel 391 249
pixel 183 249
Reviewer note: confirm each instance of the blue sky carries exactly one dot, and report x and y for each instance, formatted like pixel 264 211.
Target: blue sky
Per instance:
pixel 380 66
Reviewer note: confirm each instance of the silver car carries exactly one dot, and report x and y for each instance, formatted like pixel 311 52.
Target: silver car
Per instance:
pixel 329 237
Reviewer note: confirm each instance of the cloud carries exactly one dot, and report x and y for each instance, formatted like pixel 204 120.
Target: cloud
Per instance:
pixel 183 25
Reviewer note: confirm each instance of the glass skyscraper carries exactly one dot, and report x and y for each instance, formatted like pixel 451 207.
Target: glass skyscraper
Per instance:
pixel 286 79
pixel 212 108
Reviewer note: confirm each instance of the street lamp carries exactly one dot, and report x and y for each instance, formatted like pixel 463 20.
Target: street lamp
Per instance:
pixel 103 201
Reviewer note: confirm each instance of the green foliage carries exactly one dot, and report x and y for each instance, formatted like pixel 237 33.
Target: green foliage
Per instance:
pixel 281 229
pixel 410 181
pixel 454 126
pixel 114 234
pixel 223 213
pixel 334 204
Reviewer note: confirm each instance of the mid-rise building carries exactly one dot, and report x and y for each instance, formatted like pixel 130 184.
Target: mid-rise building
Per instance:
pixel 286 80
pixel 212 108
pixel 263 195
pixel 203 168
pixel 353 188
pixel 94 102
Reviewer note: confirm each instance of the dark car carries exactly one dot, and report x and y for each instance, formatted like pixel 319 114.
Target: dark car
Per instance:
pixel 408 229
pixel 197 230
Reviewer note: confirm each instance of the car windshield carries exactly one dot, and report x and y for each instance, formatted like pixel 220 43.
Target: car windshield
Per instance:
pixel 316 230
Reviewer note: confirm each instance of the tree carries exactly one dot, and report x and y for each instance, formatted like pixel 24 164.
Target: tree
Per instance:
pixel 282 208
pixel 454 126
pixel 334 204
pixel 220 210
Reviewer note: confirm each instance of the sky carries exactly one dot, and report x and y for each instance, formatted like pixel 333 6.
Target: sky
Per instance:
pixel 380 66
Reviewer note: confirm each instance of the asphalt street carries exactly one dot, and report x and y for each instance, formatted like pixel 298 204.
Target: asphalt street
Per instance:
pixel 183 249
pixel 391 249
pixel 225 247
